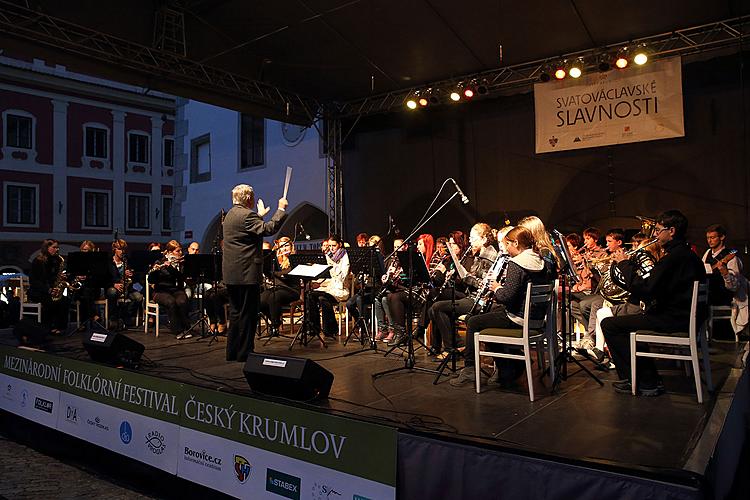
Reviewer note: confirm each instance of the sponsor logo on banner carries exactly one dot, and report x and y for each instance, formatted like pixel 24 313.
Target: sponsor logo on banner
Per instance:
pixel 24 398
pixel 155 442
pixel 242 468
pixel 8 392
pixel 126 432
pixel 43 404
pixel 283 484
pixel 71 414
pixel 359 497
pixel 321 491
pixel 98 423
pixel 202 457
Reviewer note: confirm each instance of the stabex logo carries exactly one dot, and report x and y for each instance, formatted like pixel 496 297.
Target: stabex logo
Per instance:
pixel 203 458
pixel 126 432
pixel 43 404
pixel 242 468
pixel 283 484
pixel 155 442
pixel 71 414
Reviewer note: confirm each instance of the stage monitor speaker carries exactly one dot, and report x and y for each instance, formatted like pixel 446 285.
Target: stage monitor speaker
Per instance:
pixel 112 348
pixel 292 378
pixel 30 331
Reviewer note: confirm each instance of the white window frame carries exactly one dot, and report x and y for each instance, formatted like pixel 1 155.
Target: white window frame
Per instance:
pixel 127 211
pixel 6 184
pixel 108 192
pixel 164 151
pixel 106 160
pixel 8 150
pixel 132 164
pixel 163 218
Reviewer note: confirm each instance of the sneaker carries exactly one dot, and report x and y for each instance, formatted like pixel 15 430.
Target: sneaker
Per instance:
pixel 185 335
pixel 596 354
pixel 391 333
pixel 494 378
pixel 382 333
pixel 583 345
pixel 465 376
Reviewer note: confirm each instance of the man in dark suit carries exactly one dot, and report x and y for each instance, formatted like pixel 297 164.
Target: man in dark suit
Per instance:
pixel 242 266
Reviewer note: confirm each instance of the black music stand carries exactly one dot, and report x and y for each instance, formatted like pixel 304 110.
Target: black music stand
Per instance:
pixel 307 267
pixel 95 267
pixel 568 277
pixel 201 268
pixel 364 262
pixel 417 273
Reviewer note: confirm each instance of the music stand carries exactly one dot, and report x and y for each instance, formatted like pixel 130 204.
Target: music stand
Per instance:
pixel 417 273
pixel 363 262
pixel 201 269
pixel 270 269
pixel 568 277
pixel 95 267
pixel 308 267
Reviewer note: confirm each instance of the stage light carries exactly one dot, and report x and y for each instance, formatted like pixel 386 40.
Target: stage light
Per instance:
pixel 560 73
pixel 605 62
pixel 574 72
pixel 640 58
pixel 621 62
pixel 481 89
pixel 468 93
pixel 544 77
pixel 434 99
pixel 411 104
pixel 423 101
pixel 455 96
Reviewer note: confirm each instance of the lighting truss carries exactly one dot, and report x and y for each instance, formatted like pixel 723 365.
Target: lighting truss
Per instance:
pixel 682 42
pixel 38 28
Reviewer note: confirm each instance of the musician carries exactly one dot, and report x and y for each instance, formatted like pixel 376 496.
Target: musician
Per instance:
pixel 332 290
pixel 357 302
pixel 398 300
pixel 47 271
pixel 726 284
pixel 525 265
pixel 362 240
pixel 194 248
pixel 242 266
pixel 169 289
pixel 585 313
pixel 391 282
pixel 668 290
pixel 282 290
pixel 154 246
pixel 484 254
pixel 88 293
pixel 122 286
pixel 543 242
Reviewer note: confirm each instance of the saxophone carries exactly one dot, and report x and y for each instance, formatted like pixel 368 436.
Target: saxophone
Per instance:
pixel 126 281
pixel 61 282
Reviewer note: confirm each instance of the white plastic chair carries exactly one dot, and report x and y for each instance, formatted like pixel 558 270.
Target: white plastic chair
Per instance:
pixel 532 331
pixel 719 313
pixel 150 309
pixel 695 335
pixel 28 308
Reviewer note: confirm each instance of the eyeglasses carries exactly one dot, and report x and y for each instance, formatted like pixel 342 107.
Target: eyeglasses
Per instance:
pixel 659 230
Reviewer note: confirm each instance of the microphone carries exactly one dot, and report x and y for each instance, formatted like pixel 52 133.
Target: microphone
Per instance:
pixel 464 198
pixel 390 225
pixel 304 233
pixel 117 233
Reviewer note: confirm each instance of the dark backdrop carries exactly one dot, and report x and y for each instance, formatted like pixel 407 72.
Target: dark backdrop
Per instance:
pixel 393 164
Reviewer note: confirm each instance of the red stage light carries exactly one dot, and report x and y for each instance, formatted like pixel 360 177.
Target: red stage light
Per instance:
pixel 468 93
pixel 423 101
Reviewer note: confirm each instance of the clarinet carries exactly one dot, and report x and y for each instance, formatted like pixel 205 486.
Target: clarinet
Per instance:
pixel 449 274
pixel 481 302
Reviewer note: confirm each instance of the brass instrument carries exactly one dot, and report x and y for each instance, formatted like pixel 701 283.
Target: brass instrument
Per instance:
pixel 648 225
pixel 612 286
pixel 61 282
pixel 126 281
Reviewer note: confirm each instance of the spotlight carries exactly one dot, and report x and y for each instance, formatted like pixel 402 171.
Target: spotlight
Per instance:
pixel 481 90
pixel 434 99
pixel 560 73
pixel 468 93
pixel 423 101
pixel 622 58
pixel 576 68
pixel 411 104
pixel 640 58
pixel 455 96
pixel 544 77
pixel 605 62
pixel 575 72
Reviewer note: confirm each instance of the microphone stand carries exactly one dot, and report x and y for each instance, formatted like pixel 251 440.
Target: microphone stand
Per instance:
pixel 409 362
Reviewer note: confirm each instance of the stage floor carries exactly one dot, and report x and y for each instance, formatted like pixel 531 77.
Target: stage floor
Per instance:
pixel 581 422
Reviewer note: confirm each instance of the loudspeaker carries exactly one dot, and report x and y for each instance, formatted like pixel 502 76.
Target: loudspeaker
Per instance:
pixel 32 330
pixel 292 378
pixel 113 348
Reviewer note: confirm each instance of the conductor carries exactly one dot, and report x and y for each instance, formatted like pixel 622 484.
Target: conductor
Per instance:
pixel 242 266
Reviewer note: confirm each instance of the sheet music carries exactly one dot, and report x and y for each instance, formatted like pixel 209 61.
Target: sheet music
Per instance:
pixel 462 272
pixel 309 270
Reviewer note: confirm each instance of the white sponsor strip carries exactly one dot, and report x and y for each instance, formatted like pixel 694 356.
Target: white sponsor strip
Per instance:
pixel 241 471
pixel 616 107
pixel 146 439
pixel 32 401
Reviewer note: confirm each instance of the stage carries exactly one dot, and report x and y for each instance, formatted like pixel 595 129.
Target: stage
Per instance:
pixel 453 442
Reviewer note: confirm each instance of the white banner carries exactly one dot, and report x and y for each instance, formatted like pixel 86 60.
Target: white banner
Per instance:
pixel 615 107
pixel 38 403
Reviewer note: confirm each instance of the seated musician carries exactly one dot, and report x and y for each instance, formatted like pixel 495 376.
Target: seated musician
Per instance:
pixel 364 292
pixel 87 293
pixel 122 287
pixel 726 285
pixel 483 255
pixel 391 282
pixel 397 301
pixel 169 289
pixel 525 265
pixel 46 286
pixel 362 240
pixel 542 241
pixel 281 290
pixel 327 294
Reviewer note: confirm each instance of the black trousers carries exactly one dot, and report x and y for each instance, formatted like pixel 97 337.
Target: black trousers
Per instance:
pixel 176 304
pixel 54 312
pixel 322 302
pixel 273 300
pixel 125 311
pixel 616 332
pixel 244 303
pixel 442 322
pixel 213 302
pixel 397 302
